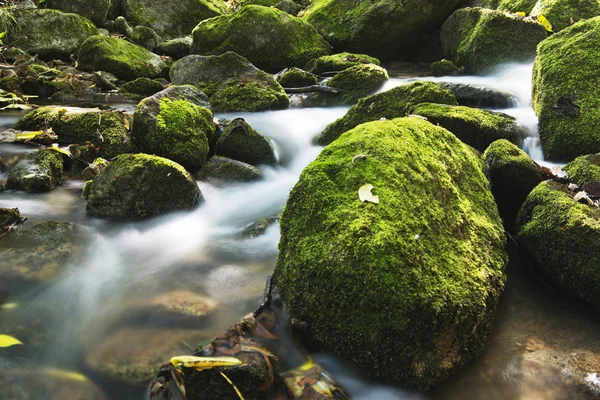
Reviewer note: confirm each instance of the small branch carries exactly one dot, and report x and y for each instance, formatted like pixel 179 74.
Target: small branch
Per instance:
pixel 311 89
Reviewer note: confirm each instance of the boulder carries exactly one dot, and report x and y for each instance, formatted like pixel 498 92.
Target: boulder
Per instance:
pixel 511 5
pixel 175 48
pixel 145 37
pixel 269 38
pixel 143 87
pixel 295 77
pixel 383 28
pixel 39 80
pixel 50 34
pixel 584 169
pixel 126 60
pixel 562 238
pixel 39 172
pixel 135 186
pixel 473 126
pixel 94 10
pixel 387 105
pixel 341 61
pixel 565 96
pixel 480 39
pixel 231 83
pixel 240 142
pixel 220 170
pixel 480 97
pixel 404 285
pixel 512 175
pixel 175 124
pixel 444 68
pixel 563 13
pixel 171 19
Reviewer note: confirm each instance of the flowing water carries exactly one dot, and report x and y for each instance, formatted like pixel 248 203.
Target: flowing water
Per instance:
pixel 93 318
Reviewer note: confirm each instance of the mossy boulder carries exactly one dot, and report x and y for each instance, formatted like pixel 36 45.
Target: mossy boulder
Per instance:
pixel 40 80
pixel 171 20
pixel 135 186
pixel 126 60
pixel 512 5
pixel 269 38
pixel 562 238
pixel 480 97
pixel 473 126
pixel 394 103
pixel 107 130
pixel 383 28
pixel 353 84
pixel 512 175
pixel 225 170
pixel 560 13
pixel 50 34
pixel 480 39
pixel 584 169
pixel 39 172
pixel 145 37
pixel 405 288
pixel 94 10
pixel 240 142
pixel 565 92
pixel 175 48
pixel 296 77
pixel 444 68
pixel 341 61
pixel 231 83
pixel 175 124
pixel 143 87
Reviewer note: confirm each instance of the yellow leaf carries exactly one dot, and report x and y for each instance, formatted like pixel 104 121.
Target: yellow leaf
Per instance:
pixel 364 194
pixel 201 363
pixel 7 341
pixel 521 13
pixel 9 306
pixel 28 135
pixel 545 23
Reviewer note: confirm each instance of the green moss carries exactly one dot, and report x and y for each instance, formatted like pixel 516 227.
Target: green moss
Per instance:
pixel 562 238
pixel 269 38
pixel 584 169
pixel 342 61
pixel 406 288
pixel 40 172
pixel 560 13
pixel 296 77
pixel 240 142
pixel 565 95
pixel 473 126
pixel 444 68
pixel 252 96
pixel 480 39
pixel 391 104
pixel 513 5
pixel 513 175
pixel 143 86
pixel 35 70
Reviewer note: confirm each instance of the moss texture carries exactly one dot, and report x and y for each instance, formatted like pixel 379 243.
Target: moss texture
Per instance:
pixel 391 104
pixel 240 142
pixel 512 175
pixel 406 288
pixel 135 186
pixel 560 13
pixel 475 127
pixel 584 169
pixel 144 87
pixel 341 61
pixel 175 48
pixel 444 68
pixel 94 10
pixel 296 77
pixel 269 38
pixel 565 92
pixel 562 238
pixel 39 172
pixel 480 39
pixel 512 5
pixel 225 170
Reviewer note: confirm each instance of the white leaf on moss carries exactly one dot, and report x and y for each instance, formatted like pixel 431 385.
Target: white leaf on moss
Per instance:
pixel 364 194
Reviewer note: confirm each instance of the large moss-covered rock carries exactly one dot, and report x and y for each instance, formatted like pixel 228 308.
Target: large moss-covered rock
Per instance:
pixel 135 186
pixel 240 142
pixel 562 238
pixel 382 28
pixel 172 19
pixel 94 10
pixel 175 124
pixel 221 170
pixel 231 82
pixel 394 103
pixel 126 60
pixel 50 34
pixel 475 127
pixel 480 39
pixel 560 13
pixel 584 169
pixel 39 172
pixel 512 175
pixel 565 91
pixel 107 130
pixel 341 61
pixel 405 288
pixel 269 38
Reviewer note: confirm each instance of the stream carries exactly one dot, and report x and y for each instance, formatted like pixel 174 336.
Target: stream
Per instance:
pixel 95 316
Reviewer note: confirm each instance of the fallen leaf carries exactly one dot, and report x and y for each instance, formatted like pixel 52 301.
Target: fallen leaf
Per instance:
pixel 8 341
pixel 202 363
pixel 545 23
pixel 521 14
pixel 364 194
pixel 559 173
pixel 573 187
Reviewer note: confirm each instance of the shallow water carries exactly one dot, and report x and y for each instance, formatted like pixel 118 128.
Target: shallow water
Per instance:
pixel 91 312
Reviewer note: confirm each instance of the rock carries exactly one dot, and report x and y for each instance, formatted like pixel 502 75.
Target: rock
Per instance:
pixel 406 289
pixel 295 77
pixel 39 80
pixel 388 105
pixel 584 169
pixel 174 308
pixel 144 87
pixel 145 37
pixel 561 237
pixel 258 228
pixel 512 175
pixel 39 172
pixel 480 39
pixel 94 10
pixel 107 130
pixel 560 13
pixel 126 60
pixel 475 127
pixel 9 218
pixel 175 124
pixel 92 170
pixel 135 186
pixel 269 38
pixel 383 28
pixel 289 7
pixel 564 98
pixel 175 48
pixel 341 61
pixel 480 97
pixel 240 142
pixel 47 383
pixel 444 68
pixel 353 84
pixel 231 83
pixel 50 34
pixel 225 170
pixel 123 27
pixel 512 5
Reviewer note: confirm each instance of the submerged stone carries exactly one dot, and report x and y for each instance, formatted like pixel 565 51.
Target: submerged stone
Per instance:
pixel 240 142
pixel 219 170
pixel 42 171
pixel 480 97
